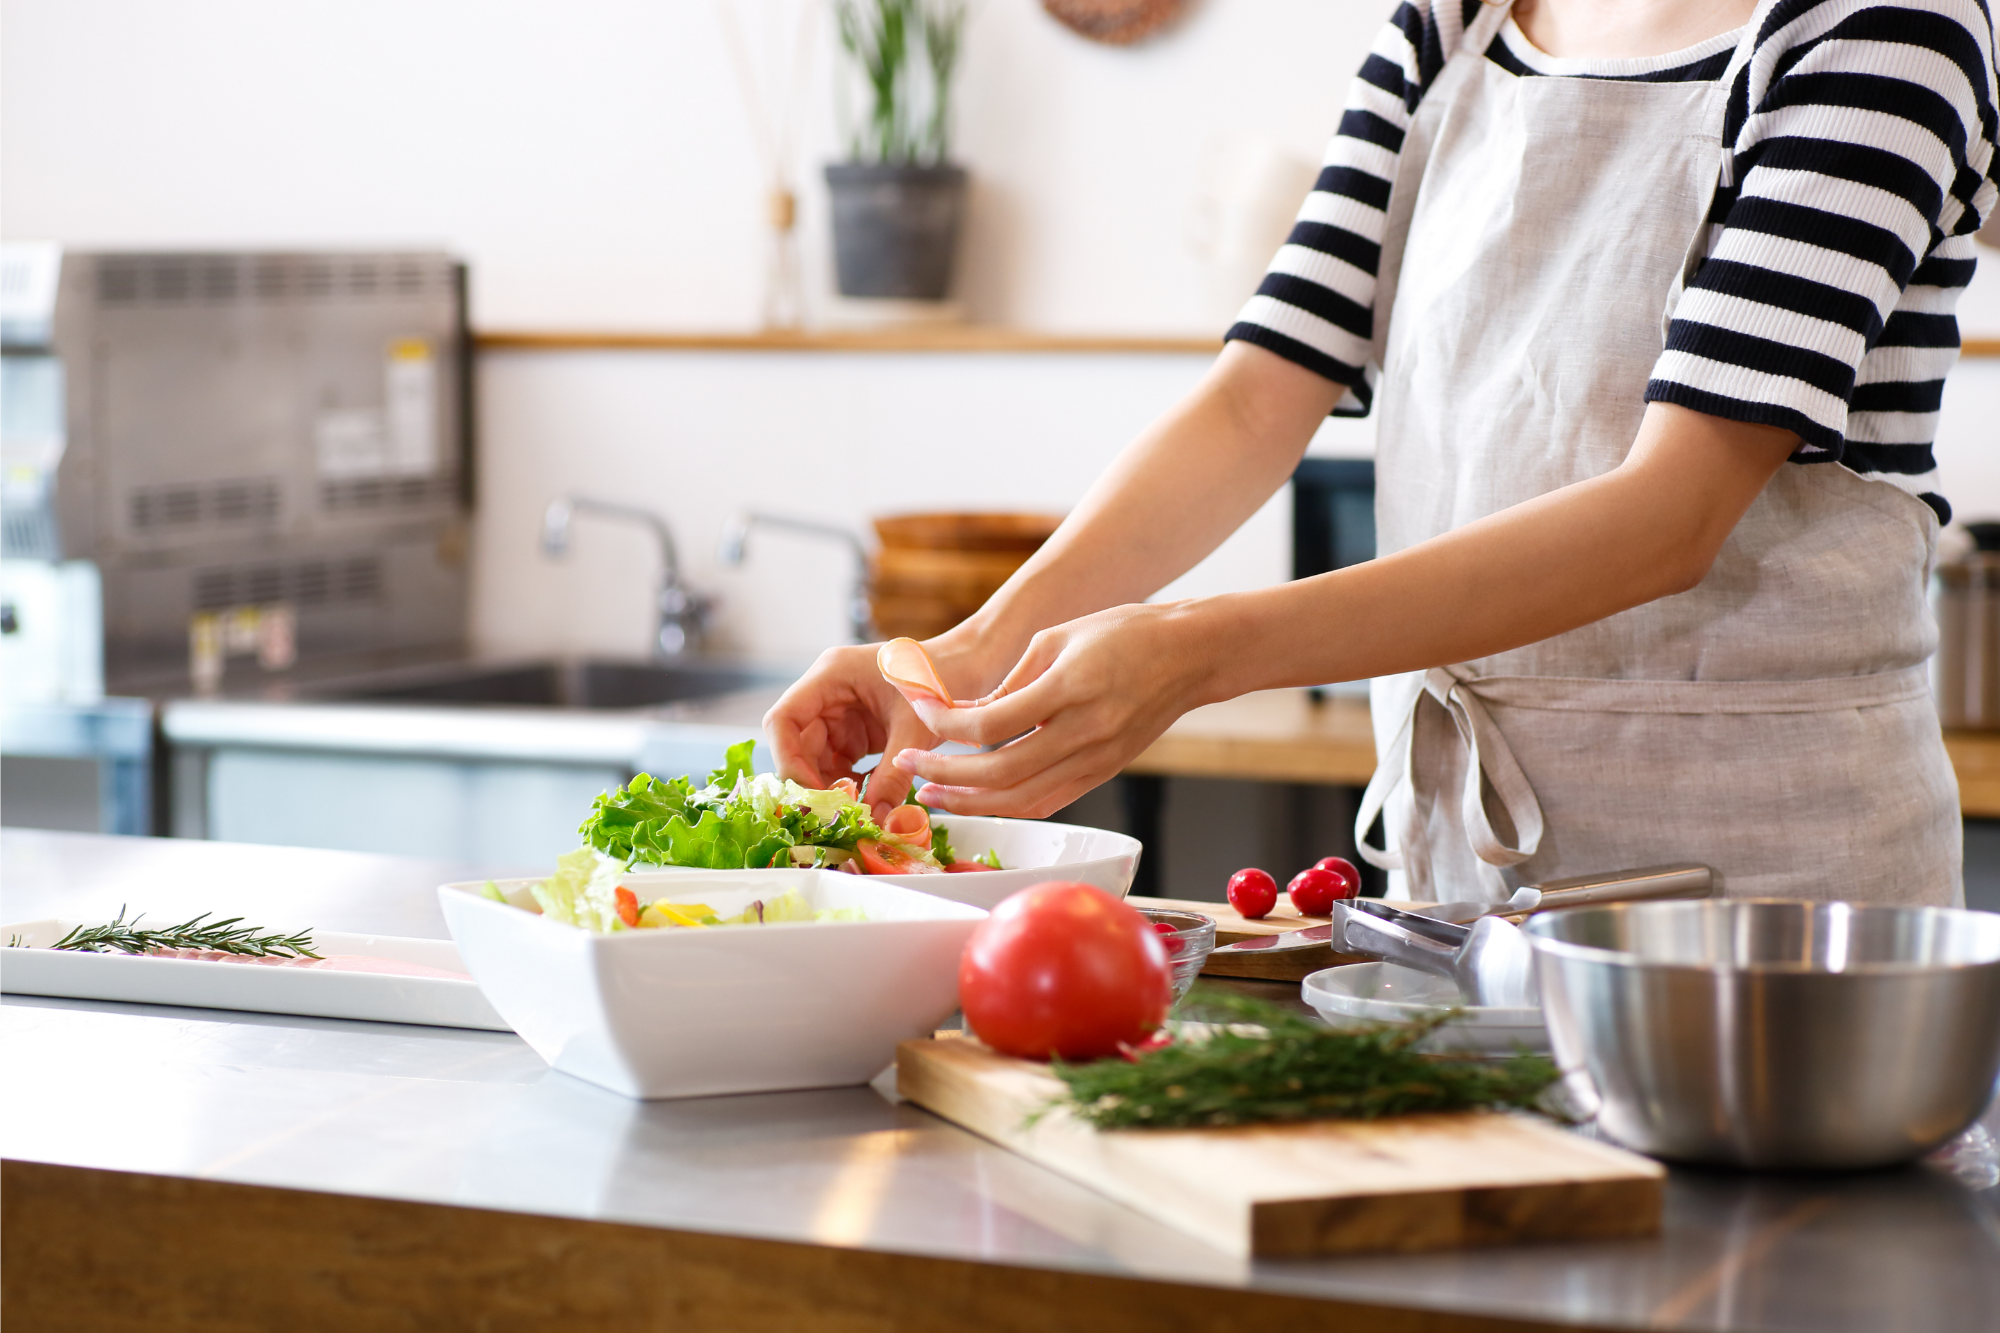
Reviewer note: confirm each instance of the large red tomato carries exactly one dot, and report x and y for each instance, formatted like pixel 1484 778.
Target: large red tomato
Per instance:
pixel 1066 970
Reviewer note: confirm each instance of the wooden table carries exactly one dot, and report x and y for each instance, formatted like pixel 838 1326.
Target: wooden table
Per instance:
pixel 1283 736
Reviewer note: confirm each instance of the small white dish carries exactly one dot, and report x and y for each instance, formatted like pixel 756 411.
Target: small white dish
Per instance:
pixel 727 1009
pixel 33 968
pixel 1358 994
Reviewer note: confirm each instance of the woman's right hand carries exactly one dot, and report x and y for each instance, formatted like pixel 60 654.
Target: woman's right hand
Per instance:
pixel 837 714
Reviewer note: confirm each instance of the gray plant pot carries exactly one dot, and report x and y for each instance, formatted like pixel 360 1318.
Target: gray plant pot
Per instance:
pixel 895 229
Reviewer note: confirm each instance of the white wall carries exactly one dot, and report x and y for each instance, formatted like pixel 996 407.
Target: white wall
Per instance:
pixel 593 159
pixel 593 163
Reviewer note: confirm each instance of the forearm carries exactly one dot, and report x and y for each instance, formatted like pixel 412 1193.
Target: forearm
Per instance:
pixel 1172 496
pixel 1648 529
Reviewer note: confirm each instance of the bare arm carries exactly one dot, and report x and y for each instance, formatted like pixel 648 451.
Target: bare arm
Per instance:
pixel 1169 499
pixel 1094 692
pixel 1182 487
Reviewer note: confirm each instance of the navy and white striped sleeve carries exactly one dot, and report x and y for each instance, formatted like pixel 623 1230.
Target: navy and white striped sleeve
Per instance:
pixel 1860 163
pixel 1315 306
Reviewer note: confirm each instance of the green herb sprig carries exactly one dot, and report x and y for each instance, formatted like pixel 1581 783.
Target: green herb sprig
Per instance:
pixel 1268 1064
pixel 229 936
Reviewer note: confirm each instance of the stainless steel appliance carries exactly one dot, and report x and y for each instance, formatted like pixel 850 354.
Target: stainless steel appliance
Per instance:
pixel 261 454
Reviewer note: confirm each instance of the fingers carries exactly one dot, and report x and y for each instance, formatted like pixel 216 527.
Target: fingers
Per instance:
pixel 1029 695
pixel 831 717
pixel 1040 795
pixel 887 786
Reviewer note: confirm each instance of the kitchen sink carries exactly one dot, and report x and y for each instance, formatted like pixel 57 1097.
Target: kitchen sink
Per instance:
pixel 561 683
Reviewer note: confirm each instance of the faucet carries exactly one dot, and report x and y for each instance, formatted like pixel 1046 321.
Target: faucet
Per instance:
pixel 736 545
pixel 683 612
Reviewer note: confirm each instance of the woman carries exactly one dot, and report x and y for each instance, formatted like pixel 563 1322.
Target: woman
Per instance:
pixel 1654 301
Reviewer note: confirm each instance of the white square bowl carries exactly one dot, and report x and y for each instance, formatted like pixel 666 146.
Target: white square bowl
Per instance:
pixel 695 1013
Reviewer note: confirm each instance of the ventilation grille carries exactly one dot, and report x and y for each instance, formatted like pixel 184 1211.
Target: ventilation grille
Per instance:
pixel 29 534
pixel 370 494
pixel 308 583
pixel 184 279
pixel 220 504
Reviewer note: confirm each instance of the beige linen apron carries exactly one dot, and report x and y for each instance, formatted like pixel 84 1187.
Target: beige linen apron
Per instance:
pixel 1774 721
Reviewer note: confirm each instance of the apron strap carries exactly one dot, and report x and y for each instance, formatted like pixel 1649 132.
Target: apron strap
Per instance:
pixel 1490 765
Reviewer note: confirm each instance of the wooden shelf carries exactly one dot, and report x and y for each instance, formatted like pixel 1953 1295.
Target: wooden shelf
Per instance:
pixel 921 338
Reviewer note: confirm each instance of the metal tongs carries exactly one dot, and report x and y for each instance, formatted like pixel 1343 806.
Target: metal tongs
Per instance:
pixel 1490 960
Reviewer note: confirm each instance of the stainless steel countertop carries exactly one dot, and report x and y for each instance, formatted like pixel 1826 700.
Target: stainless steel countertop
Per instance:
pixel 668 738
pixel 476 1119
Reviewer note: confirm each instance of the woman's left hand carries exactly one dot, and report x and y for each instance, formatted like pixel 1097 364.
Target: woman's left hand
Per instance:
pixel 1082 702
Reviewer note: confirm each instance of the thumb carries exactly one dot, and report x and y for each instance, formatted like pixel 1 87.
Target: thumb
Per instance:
pixel 888 785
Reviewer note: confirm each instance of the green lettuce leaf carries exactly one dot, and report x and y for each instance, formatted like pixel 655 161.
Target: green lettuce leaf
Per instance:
pixel 736 820
pixel 582 892
pixel 941 846
pixel 735 764
pixel 732 839
pixel 616 816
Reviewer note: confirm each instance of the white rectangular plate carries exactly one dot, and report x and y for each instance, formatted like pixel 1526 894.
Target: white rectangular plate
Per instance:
pixel 35 969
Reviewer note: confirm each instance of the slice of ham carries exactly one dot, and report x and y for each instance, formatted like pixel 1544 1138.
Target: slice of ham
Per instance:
pixel 338 962
pixel 905 665
pixel 910 824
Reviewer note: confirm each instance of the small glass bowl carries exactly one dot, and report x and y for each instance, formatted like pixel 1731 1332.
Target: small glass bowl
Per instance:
pixel 1188 947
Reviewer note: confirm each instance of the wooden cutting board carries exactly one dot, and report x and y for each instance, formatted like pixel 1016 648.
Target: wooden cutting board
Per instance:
pixel 1231 926
pixel 1429 1182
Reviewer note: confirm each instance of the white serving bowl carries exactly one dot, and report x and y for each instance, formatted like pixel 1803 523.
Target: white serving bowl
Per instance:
pixel 1356 994
pixel 693 1013
pixel 1034 852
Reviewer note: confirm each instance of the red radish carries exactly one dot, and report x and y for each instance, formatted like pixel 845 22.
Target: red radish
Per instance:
pixel 911 823
pixel 1315 891
pixel 1167 934
pixel 1341 866
pixel 1253 894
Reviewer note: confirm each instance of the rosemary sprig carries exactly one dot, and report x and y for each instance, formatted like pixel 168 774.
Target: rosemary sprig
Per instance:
pixel 1269 1064
pixel 230 936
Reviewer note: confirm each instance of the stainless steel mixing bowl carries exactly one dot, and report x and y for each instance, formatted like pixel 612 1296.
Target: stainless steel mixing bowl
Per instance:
pixel 1776 1034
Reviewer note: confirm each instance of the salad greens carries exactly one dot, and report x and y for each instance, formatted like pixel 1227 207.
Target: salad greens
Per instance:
pixel 737 820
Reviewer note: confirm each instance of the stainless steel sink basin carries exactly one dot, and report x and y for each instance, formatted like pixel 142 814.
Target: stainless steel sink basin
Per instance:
pixel 571 683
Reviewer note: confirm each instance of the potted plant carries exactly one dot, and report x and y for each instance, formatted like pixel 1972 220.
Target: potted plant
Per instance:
pixel 898 200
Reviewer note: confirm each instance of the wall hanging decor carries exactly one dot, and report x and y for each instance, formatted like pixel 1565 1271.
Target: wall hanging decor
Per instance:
pixel 1117 22
pixel 898 200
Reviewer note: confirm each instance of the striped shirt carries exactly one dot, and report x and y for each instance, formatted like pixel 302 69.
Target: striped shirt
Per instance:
pixel 1860 162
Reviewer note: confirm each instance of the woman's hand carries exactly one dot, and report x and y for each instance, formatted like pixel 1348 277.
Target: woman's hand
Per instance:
pixel 838 713
pixel 1084 700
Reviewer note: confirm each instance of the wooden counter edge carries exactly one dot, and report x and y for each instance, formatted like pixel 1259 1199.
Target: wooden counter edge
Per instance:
pixel 117 1251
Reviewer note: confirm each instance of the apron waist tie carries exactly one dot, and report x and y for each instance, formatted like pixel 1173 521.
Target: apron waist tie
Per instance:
pixel 1490 766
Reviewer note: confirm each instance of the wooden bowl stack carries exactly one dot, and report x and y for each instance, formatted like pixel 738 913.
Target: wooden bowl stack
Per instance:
pixel 934 570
